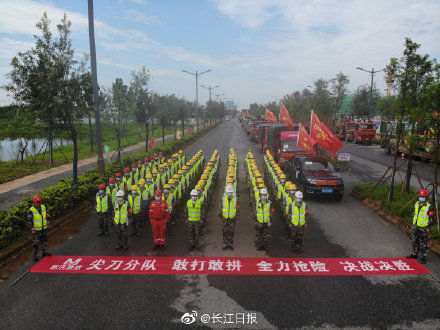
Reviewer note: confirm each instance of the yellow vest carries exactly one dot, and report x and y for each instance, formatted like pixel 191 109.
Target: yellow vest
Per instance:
pixel 121 213
pixel 40 221
pixel 298 214
pixel 421 217
pixel 135 203
pixel 101 203
pixel 229 209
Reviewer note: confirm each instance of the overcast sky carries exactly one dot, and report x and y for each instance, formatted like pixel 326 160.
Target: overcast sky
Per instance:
pixel 258 50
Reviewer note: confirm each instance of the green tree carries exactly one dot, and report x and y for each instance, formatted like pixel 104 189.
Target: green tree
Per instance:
pixel 141 99
pixel 338 87
pixel 361 103
pixel 34 78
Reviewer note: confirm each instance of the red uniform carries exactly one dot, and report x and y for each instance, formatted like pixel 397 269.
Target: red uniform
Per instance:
pixel 159 214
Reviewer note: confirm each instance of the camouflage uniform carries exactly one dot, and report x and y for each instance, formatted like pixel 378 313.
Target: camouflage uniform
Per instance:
pixel 194 232
pixel 39 238
pixel 228 231
pixel 296 235
pixel 262 235
pixel 420 234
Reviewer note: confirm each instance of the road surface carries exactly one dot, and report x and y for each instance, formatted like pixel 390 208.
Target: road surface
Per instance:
pixel 336 229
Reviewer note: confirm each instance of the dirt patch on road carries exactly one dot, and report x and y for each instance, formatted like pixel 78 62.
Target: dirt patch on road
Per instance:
pixel 398 221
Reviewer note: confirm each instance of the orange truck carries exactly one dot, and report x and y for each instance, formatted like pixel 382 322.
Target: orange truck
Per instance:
pixel 362 133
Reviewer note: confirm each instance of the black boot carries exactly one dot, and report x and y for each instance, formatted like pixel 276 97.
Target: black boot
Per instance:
pixel 118 247
pixel 35 257
pixel 412 256
pixel 125 247
pixel 46 254
pixel 423 260
pixel 225 247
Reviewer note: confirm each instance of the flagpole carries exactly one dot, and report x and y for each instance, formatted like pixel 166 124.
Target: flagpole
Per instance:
pixel 311 121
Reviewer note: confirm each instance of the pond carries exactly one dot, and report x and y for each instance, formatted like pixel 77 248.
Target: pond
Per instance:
pixel 9 149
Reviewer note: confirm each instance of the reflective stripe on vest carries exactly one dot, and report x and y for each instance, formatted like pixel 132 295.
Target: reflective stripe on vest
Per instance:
pixel 112 193
pixel 101 204
pixel 229 207
pixel 288 203
pixel 169 200
pixel 40 221
pixel 121 213
pixel 194 211
pixel 421 217
pixel 263 212
pixel 136 204
pixel 298 214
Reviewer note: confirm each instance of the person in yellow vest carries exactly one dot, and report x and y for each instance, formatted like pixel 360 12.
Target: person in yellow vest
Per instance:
pixel 169 198
pixel 134 203
pixel 263 221
pixel 298 221
pixel 423 219
pixel 102 209
pixel 121 221
pixel 143 192
pixel 194 209
pixel 127 179
pixel 111 193
pixel 119 182
pixel 37 218
pixel 228 215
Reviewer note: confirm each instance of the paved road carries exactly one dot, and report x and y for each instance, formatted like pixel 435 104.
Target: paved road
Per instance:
pixel 375 153
pixel 336 229
pixel 32 186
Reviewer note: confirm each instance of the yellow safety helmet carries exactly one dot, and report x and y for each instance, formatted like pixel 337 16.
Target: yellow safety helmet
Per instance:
pixel 180 151
pixel 134 187
pixel 201 183
pixel 257 174
pixel 171 181
pixel 184 168
pixel 142 181
pixel 208 168
pixel 292 186
pixel 204 177
pixel 148 176
pixel 198 187
pixel 230 180
pixel 261 186
pixel 170 161
pixel 154 171
pixel 282 176
pixel 180 172
pixel 259 180
pixel 166 186
pixel 176 176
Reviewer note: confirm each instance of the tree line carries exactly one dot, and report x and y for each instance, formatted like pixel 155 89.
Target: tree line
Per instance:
pixel 51 85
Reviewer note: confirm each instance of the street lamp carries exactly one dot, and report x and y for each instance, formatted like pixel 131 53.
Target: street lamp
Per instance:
pixel 210 89
pixel 197 74
pixel 372 72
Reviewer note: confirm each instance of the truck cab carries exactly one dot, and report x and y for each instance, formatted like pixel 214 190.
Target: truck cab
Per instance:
pixel 364 132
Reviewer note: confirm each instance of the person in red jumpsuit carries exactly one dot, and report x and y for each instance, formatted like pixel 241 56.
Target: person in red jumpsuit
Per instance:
pixel 159 215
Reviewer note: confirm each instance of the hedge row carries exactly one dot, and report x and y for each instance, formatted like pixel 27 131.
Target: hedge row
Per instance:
pixel 402 205
pixel 63 196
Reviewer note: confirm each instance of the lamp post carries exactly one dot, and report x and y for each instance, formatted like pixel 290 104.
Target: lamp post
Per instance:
pixel 197 74
pixel 372 72
pixel 210 88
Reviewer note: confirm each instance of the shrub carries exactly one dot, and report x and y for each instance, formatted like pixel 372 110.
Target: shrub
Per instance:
pixel 63 196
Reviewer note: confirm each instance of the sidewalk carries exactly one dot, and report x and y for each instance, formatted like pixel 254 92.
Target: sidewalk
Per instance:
pixel 12 192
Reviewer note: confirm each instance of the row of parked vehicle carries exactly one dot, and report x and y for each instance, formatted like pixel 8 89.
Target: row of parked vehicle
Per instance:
pixel 313 175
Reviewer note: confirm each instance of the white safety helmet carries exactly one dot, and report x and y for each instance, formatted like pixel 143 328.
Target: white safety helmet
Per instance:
pixel 299 194
pixel 120 193
pixel 194 192
pixel 229 189
pixel 263 191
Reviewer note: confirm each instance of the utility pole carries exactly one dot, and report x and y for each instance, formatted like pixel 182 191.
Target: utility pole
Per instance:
pixel 210 89
pixel 372 72
pixel 218 95
pixel 197 74
pixel 101 163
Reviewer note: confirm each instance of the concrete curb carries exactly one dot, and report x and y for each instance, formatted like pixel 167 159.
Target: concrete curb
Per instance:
pixel 398 221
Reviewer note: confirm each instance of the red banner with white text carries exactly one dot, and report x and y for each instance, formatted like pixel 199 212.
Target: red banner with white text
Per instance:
pixel 227 265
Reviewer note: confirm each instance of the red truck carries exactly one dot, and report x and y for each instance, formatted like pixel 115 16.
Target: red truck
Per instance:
pixel 281 143
pixel 364 132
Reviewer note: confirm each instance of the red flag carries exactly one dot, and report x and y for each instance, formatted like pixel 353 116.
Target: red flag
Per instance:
pixel 270 116
pixel 151 143
pixel 187 131
pixel 285 117
pixel 323 136
pixel 248 113
pixel 305 141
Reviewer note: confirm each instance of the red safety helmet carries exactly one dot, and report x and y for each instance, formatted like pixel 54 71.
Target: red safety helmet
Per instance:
pixel 140 162
pixel 118 175
pixel 126 170
pixel 37 199
pixel 423 193
pixel 158 193
pixel 147 159
pixel 133 166
pixel 155 155
pixel 112 180
pixel 101 186
pixel 160 152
